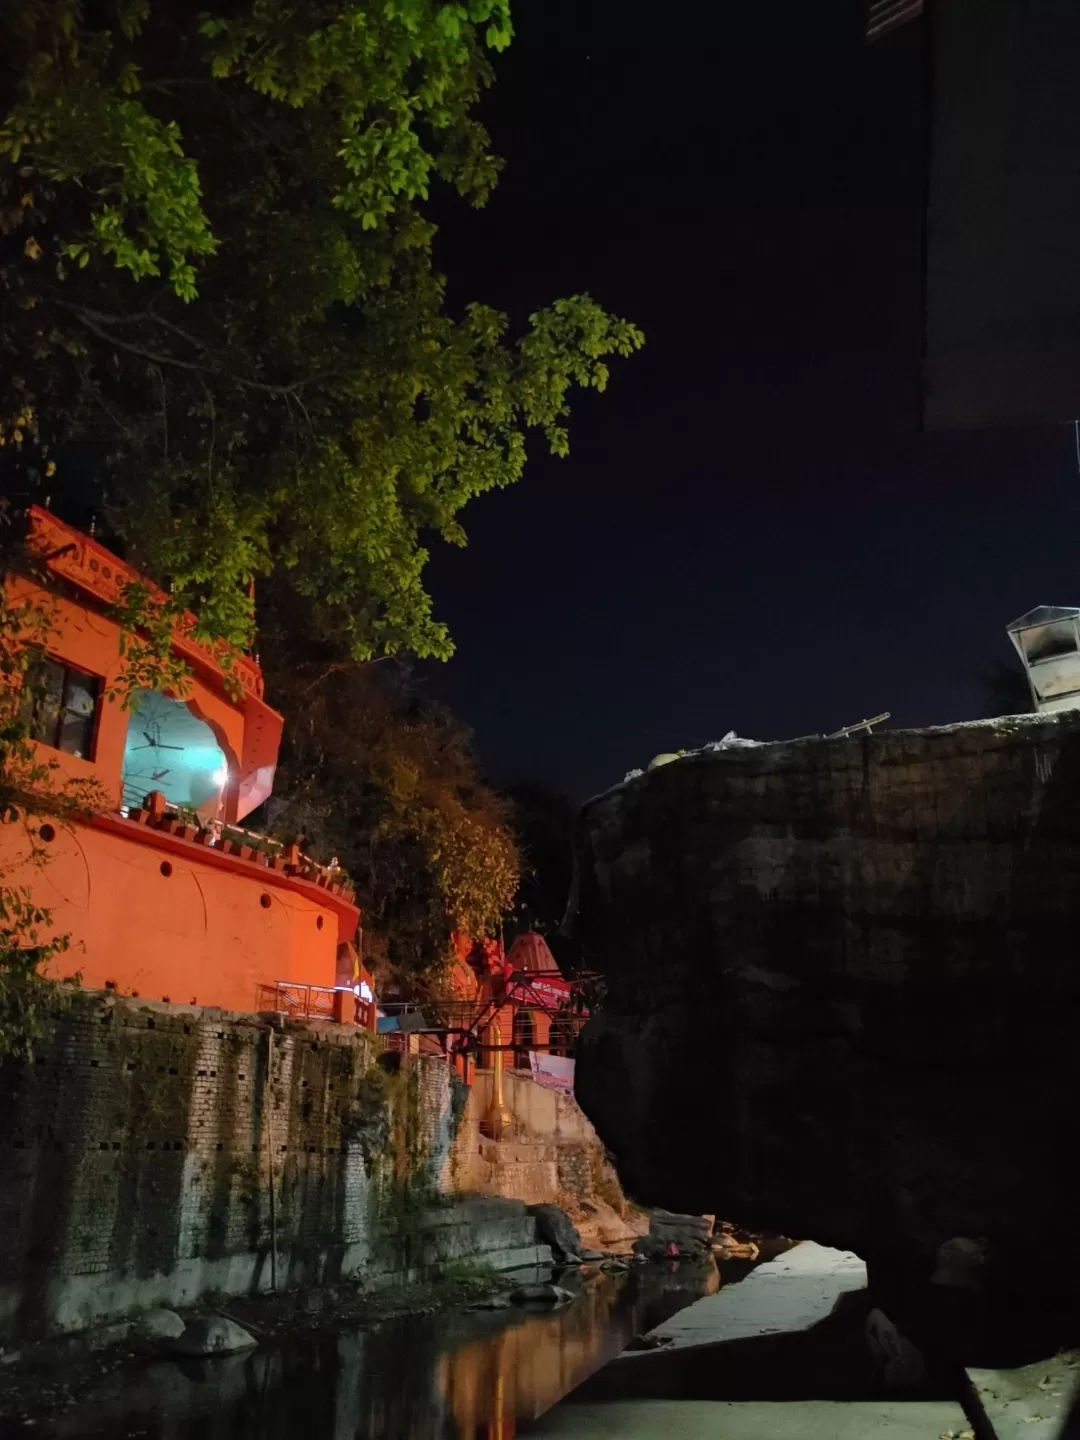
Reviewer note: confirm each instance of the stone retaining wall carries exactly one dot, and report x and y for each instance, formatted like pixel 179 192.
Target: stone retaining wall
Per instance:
pixel 149 1153
pixel 551 1155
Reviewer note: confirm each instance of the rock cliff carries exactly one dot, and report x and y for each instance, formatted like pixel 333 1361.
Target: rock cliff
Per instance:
pixel 843 989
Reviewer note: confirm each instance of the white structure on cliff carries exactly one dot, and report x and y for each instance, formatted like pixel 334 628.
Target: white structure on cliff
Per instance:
pixel 1047 639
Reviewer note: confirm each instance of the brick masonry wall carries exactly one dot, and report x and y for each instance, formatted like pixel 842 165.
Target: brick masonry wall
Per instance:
pixel 140 1149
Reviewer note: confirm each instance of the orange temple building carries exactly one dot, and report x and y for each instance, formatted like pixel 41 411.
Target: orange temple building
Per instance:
pixel 162 894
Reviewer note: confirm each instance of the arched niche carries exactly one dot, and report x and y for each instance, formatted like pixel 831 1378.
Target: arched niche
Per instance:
pixel 170 747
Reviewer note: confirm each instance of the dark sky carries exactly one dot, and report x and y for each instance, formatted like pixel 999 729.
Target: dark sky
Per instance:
pixel 751 532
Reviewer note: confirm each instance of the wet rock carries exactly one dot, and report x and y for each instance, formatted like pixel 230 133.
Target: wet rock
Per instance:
pixel 649 1342
pixel 212 1335
pixel 543 1293
pixel 557 1230
pixel 961 1265
pixel 675 1236
pixel 899 1365
pixel 492 1302
pixel 159 1325
pixel 728 1248
pixel 594 1255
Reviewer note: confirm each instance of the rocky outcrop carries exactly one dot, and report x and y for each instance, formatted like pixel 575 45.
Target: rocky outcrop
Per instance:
pixel 675 1235
pixel 844 990
pixel 556 1228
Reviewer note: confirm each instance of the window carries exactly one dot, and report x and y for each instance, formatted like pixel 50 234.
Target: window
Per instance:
pixel 61 706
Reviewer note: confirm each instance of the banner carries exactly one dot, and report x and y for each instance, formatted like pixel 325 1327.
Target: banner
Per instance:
pixel 554 1072
pixel 550 990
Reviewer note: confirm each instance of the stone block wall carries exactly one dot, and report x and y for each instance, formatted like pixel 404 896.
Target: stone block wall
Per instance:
pixel 551 1155
pixel 150 1154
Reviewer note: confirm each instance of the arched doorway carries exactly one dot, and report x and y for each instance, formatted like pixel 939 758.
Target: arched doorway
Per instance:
pixel 171 750
pixel 524 1039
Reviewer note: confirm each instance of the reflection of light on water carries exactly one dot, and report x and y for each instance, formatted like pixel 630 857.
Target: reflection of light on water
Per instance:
pixel 490 1382
pixel 455 1375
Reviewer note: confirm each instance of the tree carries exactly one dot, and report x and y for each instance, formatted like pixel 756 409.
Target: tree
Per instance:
pixel 544 823
pixel 385 780
pixel 216 279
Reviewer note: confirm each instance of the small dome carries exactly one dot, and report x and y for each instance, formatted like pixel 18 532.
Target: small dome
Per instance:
pixel 530 952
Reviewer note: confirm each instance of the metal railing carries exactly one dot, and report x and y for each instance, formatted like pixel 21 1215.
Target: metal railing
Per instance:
pixel 317 1002
pixel 460 1024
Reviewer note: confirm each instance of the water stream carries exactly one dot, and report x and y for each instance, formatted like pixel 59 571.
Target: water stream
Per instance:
pixel 464 1375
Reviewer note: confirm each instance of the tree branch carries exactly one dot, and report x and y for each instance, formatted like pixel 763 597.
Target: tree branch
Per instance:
pixel 92 321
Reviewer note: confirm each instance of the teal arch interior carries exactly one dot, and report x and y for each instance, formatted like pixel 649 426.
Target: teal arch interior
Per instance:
pixel 171 750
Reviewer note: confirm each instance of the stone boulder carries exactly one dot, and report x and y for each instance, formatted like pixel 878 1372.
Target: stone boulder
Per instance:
pixel 842 992
pixel 556 1229
pixel 685 1235
pixel 159 1325
pixel 961 1265
pixel 541 1294
pixel 212 1335
pixel 899 1368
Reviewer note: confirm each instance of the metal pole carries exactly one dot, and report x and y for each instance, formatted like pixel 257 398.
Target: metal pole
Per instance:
pixel 496 1123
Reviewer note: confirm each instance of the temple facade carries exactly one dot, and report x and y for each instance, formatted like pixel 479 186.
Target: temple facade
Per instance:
pixel 162 891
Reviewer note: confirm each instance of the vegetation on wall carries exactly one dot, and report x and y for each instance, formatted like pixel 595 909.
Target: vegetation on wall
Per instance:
pixel 35 799
pixel 219 304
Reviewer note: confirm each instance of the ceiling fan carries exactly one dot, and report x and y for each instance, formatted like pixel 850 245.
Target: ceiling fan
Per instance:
pixel 153 741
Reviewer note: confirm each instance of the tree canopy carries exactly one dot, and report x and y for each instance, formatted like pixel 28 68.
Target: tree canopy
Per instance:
pixel 385 780
pixel 216 277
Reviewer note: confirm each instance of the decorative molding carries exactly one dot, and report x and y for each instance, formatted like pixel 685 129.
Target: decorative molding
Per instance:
pixel 81 561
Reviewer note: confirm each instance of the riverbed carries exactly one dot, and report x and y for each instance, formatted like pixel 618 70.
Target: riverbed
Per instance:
pixel 458 1375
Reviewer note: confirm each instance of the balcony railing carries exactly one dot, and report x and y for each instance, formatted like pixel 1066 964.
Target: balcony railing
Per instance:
pixel 317 1002
pixel 157 814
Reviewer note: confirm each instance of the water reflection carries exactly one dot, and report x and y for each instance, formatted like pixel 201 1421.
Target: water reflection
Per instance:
pixel 456 1376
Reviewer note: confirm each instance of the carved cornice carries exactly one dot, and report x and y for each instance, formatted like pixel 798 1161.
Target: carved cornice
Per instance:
pixel 80 561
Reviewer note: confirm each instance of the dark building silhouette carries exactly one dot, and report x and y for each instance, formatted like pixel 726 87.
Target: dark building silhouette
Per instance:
pixel 1002 252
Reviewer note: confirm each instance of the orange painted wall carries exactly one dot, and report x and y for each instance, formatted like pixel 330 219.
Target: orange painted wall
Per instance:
pixel 82 637
pixel 201 931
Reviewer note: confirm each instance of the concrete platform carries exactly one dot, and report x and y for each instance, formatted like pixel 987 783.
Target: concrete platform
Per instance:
pixel 717 1420
pixel 1028 1404
pixel 794 1292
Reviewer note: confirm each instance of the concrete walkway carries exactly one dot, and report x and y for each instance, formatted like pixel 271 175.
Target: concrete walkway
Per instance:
pixel 795 1291
pixel 717 1420
pixel 1031 1403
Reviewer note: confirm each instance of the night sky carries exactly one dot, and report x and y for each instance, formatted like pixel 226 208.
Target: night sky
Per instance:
pixel 751 532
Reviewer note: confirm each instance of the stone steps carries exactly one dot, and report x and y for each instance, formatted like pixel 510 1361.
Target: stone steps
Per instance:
pixel 488 1230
